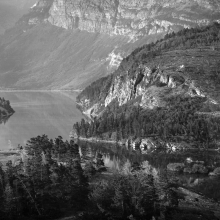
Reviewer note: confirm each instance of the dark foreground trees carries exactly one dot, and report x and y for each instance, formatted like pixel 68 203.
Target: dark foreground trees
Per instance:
pixel 48 180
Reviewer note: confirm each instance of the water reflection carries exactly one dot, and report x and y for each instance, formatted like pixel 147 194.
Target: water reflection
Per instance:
pixel 159 159
pixel 38 113
pixel 119 157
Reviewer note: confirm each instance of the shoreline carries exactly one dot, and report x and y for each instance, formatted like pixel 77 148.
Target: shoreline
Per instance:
pixel 94 140
pixel 3 152
pixel 41 90
pixel 98 140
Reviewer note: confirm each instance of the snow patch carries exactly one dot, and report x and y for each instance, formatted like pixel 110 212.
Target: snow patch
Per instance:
pixel 33 6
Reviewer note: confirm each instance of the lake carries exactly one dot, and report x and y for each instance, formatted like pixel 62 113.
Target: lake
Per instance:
pixel 38 113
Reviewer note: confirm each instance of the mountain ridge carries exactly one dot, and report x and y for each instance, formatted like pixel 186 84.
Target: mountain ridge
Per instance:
pixel 47 50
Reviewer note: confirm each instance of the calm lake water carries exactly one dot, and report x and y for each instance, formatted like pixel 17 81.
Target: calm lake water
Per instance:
pixel 38 113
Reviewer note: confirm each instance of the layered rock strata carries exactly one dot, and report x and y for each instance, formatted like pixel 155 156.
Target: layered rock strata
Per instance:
pixel 135 18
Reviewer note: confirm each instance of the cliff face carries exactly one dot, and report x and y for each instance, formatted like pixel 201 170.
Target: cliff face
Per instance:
pixel 66 44
pixel 133 18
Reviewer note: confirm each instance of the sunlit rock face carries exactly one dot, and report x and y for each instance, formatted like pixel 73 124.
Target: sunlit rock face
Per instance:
pixel 133 18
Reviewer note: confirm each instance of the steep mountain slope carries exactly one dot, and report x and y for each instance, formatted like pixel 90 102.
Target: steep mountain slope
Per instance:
pixel 68 44
pixel 186 63
pixel 11 11
pixel 166 92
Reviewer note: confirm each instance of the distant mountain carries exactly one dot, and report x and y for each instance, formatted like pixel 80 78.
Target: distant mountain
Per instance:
pixel 11 11
pixel 69 44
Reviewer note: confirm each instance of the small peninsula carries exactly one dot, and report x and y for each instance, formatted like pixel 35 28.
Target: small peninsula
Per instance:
pixel 5 110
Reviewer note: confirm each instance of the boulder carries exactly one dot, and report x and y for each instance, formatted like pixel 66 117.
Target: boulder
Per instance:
pixel 187 170
pixel 216 172
pixel 176 167
pixel 199 168
pixel 147 144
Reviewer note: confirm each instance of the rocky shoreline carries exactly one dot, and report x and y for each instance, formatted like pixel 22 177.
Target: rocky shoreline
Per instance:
pixel 145 145
pixel 194 167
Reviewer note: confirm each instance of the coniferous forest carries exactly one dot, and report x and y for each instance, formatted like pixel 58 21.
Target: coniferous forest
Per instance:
pixel 49 182
pixel 52 180
pixel 178 121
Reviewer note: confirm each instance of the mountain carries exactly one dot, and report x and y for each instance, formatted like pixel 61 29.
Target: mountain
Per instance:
pixel 168 89
pixel 11 11
pixel 182 63
pixel 69 44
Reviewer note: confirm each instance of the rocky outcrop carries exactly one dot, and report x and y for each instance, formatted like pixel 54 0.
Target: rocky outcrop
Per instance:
pixel 216 172
pixel 175 167
pixel 168 74
pixel 196 168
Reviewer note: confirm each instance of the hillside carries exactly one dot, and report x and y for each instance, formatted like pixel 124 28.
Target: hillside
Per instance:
pixel 165 90
pixel 69 44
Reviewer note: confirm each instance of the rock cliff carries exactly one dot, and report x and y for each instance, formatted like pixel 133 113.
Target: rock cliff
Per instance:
pixel 135 18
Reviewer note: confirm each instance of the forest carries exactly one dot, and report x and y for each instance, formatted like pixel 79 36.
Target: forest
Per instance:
pixel 52 179
pixel 177 121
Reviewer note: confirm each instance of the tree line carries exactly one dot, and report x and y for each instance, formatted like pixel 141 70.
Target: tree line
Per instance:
pixel 179 120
